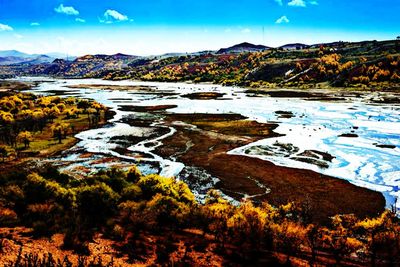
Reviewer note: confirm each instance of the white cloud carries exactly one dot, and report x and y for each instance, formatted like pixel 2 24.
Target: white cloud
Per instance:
pixel 282 19
pixel 314 3
pixel 35 24
pixel 112 15
pixel 246 30
pixel 67 10
pixel 4 27
pixel 299 3
pixel 279 2
pixel 18 36
pixel 80 20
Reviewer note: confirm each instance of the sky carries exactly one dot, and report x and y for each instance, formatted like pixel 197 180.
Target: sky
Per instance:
pixel 150 27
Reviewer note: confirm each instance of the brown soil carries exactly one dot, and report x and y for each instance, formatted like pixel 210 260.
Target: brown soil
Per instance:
pixel 386 146
pixel 327 196
pixel 204 96
pixel 112 87
pixel 146 108
pixel 192 243
pixel 349 135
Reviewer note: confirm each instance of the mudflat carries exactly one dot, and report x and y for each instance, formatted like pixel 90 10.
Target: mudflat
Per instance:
pixel 206 146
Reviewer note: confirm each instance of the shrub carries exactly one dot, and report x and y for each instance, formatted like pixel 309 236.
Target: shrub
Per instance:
pixel 38 189
pixel 8 217
pixel 96 203
pixel 132 192
pixel 154 184
pixel 134 174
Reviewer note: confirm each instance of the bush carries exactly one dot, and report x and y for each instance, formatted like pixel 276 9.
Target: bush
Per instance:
pixel 134 174
pixel 132 192
pixel 8 217
pixel 154 184
pixel 96 203
pixel 38 189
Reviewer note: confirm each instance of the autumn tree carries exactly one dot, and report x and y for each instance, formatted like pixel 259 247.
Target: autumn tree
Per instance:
pixel 217 211
pixel 339 240
pixel 247 224
pixel 25 138
pixel 96 203
pixel 313 238
pixel 380 234
pixel 289 237
pixel 60 130
pixel 133 174
pixel 5 151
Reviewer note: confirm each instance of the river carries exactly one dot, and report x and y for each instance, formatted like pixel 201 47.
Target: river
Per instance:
pixel 369 158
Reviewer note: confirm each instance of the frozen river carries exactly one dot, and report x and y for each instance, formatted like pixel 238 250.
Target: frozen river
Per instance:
pixel 367 155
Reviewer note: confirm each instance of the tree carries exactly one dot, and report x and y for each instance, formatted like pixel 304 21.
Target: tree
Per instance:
pixel 154 184
pixel 377 231
pixel 340 240
pixel 289 237
pixel 25 138
pixel 60 130
pixel 5 151
pixel 313 239
pixel 247 224
pixel 166 211
pixel 134 174
pixel 96 203
pixel 83 104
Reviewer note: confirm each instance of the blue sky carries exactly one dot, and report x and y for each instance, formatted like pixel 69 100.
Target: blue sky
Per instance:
pixel 145 27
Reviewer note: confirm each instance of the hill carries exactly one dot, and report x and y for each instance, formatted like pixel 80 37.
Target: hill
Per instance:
pixel 11 57
pixel 243 47
pixel 296 46
pixel 85 66
pixel 367 64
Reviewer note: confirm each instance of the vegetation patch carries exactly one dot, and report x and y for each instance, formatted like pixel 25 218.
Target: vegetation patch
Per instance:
pixel 43 125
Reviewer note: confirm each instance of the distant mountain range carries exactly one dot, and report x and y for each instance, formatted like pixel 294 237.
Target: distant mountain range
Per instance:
pixel 11 57
pixel 226 65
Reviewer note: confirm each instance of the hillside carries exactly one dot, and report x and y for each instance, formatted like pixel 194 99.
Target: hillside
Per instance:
pixel 12 57
pixel 243 47
pixel 365 64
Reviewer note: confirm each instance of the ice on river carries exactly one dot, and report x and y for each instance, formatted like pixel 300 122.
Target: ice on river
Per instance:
pixel 316 125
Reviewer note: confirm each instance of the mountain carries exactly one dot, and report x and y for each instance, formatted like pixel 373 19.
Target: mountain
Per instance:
pixel 23 60
pixel 15 54
pixel 8 57
pixel 295 46
pixel 39 60
pixel 243 47
pixel 60 55
pixel 226 66
pixel 84 66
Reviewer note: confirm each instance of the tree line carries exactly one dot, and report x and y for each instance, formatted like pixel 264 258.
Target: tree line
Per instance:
pixel 125 205
pixel 25 115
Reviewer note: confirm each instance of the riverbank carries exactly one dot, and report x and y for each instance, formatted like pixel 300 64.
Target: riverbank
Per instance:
pixel 369 95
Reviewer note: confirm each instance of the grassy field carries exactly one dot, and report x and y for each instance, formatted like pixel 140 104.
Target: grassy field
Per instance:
pixel 45 144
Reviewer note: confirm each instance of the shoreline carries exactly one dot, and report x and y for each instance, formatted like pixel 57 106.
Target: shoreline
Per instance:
pixel 370 89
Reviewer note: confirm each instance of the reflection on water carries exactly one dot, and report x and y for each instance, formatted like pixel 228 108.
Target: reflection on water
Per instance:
pixel 314 126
